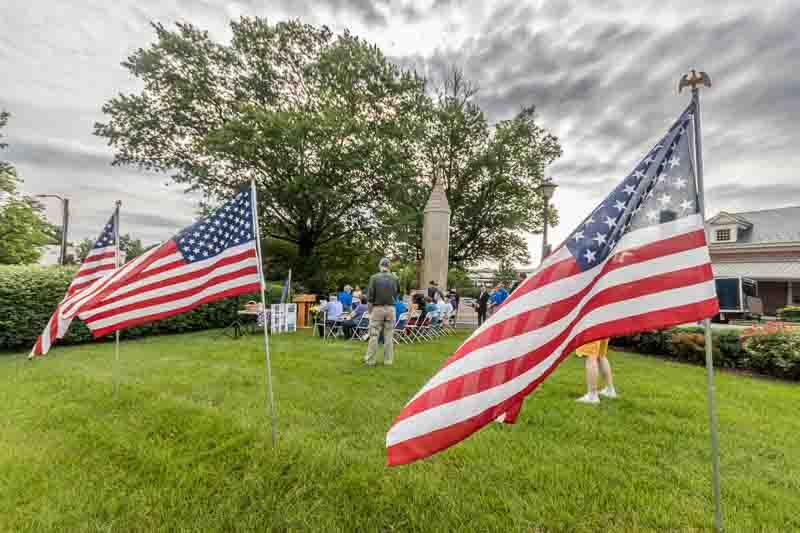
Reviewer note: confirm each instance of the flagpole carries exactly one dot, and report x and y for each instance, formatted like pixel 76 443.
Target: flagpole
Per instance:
pixel 697 80
pixel 286 303
pixel 117 261
pixel 263 307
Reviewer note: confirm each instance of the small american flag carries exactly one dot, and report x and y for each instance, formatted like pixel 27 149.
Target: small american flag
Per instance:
pixel 212 259
pixel 98 264
pixel 638 261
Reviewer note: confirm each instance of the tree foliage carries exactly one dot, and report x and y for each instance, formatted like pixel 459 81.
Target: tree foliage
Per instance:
pixel 490 176
pixel 343 145
pixel 23 228
pixel 321 122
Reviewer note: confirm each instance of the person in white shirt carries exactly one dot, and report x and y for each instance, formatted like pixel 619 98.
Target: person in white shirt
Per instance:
pixel 445 309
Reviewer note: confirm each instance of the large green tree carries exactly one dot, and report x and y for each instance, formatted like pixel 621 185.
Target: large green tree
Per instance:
pixel 23 227
pixel 490 175
pixel 322 122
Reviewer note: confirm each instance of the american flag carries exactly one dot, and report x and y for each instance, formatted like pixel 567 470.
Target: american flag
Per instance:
pixel 212 259
pixel 639 261
pixel 99 263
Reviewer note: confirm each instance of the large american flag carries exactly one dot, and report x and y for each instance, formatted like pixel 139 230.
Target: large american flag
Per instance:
pixel 639 261
pixel 99 263
pixel 212 259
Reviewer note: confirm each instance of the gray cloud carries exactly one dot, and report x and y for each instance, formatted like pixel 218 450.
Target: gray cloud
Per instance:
pixel 601 74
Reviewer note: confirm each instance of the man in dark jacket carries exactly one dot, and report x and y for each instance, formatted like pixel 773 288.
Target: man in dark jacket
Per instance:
pixel 483 305
pixel 433 290
pixel 384 289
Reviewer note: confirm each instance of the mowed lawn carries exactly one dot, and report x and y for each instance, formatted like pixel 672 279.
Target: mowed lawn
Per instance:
pixel 185 446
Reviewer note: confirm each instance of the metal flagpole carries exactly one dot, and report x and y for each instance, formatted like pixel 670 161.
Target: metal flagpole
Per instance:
pixel 117 261
pixel 696 80
pixel 263 307
pixel 286 303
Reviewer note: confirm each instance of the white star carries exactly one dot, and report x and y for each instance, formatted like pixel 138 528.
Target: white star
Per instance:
pixel 629 189
pixel 675 161
pixel 665 199
pixel 610 222
pixel 638 174
pixel 203 227
pixel 612 244
pixel 191 258
pixel 578 236
pixel 687 205
pixel 191 241
pixel 217 222
pixel 600 238
pixel 661 179
pixel 236 240
pixel 680 183
pixel 218 249
pixel 197 250
pixel 590 256
pixel 652 215
pixel 619 206
pixel 196 234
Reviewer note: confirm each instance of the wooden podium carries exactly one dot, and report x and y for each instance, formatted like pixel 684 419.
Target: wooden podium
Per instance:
pixel 304 303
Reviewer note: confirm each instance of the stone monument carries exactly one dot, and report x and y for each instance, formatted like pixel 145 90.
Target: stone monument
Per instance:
pixel 436 239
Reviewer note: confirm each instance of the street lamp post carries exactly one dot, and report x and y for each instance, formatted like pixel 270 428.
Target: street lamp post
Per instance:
pixel 62 259
pixel 546 189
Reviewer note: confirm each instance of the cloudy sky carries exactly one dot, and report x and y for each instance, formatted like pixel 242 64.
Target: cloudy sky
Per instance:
pixel 602 74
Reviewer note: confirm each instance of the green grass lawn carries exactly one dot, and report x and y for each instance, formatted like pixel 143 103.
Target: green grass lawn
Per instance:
pixel 186 445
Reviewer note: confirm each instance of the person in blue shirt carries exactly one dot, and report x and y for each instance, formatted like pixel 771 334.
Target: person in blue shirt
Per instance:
pixel 346 297
pixel 399 307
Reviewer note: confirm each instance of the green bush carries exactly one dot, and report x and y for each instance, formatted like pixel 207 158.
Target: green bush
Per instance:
pixel 772 350
pixel 28 296
pixel 789 314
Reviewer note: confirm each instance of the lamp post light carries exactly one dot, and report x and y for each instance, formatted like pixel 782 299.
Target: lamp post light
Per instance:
pixel 64 224
pixel 546 189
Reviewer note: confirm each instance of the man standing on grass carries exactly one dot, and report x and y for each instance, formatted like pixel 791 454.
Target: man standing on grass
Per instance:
pixel 383 289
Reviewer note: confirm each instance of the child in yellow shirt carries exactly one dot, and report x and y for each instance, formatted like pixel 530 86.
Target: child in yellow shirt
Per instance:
pixel 596 356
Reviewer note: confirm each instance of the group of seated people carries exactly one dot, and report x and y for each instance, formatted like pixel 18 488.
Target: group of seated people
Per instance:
pixel 346 309
pixel 348 319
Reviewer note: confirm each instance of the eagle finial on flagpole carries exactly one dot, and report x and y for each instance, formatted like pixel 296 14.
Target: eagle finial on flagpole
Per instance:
pixel 694 79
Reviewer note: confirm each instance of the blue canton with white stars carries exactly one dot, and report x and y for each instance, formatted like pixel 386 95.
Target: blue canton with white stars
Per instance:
pixel 107 237
pixel 230 225
pixel 660 189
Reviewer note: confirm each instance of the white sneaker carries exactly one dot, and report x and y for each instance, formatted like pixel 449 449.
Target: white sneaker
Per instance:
pixel 609 392
pixel 589 398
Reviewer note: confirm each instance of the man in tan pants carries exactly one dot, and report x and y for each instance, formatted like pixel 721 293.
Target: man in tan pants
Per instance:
pixel 383 289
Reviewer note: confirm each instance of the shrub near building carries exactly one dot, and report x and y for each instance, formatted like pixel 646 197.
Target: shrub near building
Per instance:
pixel 772 350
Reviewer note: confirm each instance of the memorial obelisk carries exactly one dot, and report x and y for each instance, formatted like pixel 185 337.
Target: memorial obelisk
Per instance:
pixel 436 239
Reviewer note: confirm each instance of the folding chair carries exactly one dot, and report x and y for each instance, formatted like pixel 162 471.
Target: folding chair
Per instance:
pixel 436 324
pixel 450 325
pixel 362 328
pixel 400 328
pixel 412 326
pixel 425 329
pixel 335 329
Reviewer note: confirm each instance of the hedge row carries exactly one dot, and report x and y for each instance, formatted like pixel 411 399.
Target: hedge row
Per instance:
pixel 28 296
pixel 770 351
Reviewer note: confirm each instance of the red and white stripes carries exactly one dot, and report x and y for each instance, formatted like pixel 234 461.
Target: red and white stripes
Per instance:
pixel 164 284
pixel 659 276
